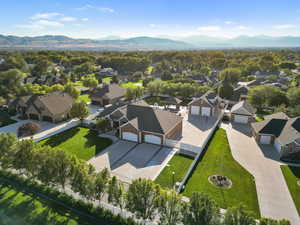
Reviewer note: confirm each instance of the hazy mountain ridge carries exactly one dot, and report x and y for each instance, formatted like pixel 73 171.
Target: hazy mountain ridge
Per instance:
pixel 145 43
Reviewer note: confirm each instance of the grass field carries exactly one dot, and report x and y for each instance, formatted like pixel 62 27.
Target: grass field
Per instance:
pixel 179 164
pixel 217 159
pixel 86 98
pixel 5 119
pixel 79 141
pixel 132 84
pixel 18 208
pixel 106 80
pixel 78 84
pixel 149 69
pixel 292 176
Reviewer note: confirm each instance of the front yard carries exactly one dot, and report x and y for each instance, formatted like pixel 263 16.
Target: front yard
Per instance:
pixel 292 176
pixel 82 142
pixel 217 159
pixel 179 164
pixel 5 119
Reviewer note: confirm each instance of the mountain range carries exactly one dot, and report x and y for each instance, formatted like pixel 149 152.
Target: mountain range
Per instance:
pixel 145 43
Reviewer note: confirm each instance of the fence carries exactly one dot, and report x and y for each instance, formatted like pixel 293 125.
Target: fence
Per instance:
pixel 191 150
pixel 193 165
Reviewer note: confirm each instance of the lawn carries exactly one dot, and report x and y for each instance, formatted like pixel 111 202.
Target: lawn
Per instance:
pixel 85 98
pixel 178 164
pixel 292 176
pixel 149 69
pixel 132 84
pixel 217 159
pixel 79 141
pixel 19 208
pixel 106 80
pixel 78 84
pixel 5 119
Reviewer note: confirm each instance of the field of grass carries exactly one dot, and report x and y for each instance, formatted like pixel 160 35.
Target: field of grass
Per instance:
pixel 292 176
pixel 217 159
pixel 179 164
pixel 86 98
pixel 78 84
pixel 132 84
pixel 79 141
pixel 5 119
pixel 19 208
pixel 106 80
pixel 149 69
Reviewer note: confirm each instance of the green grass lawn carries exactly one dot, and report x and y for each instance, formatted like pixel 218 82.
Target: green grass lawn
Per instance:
pixel 5 119
pixel 259 118
pixel 106 80
pixel 292 176
pixel 79 141
pixel 149 69
pixel 86 98
pixel 78 84
pixel 178 164
pixel 19 208
pixel 217 159
pixel 132 84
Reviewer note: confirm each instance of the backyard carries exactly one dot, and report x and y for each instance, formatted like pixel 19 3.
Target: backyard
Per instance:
pixel 217 160
pixel 20 208
pixel 132 84
pixel 85 97
pixel 5 119
pixel 82 142
pixel 292 176
pixel 179 164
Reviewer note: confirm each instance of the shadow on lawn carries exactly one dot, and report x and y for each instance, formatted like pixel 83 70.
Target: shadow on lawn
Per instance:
pixel 92 139
pixel 296 171
pixel 61 137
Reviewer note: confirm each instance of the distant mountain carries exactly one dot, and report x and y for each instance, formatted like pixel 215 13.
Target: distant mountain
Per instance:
pixel 145 43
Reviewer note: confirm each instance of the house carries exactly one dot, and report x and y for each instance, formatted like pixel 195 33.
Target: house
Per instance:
pixel 239 94
pixel 107 94
pixel 107 72
pixel 208 104
pixel 51 107
pixel 251 83
pixel 279 130
pixel 139 122
pixel 242 112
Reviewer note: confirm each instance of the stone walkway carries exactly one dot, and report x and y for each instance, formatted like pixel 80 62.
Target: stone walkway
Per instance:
pixel 274 197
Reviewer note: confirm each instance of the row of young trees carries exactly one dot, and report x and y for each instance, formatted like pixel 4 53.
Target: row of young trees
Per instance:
pixel 145 199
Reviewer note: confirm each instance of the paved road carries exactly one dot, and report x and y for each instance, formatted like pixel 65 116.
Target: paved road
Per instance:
pixel 274 198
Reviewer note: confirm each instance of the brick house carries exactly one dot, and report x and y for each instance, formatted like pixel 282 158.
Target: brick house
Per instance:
pixel 107 94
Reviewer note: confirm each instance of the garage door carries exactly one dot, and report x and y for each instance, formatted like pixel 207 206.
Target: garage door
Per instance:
pixel 205 111
pixel 152 139
pixel 266 140
pixel 130 136
pixel 277 145
pixel 195 110
pixel 240 119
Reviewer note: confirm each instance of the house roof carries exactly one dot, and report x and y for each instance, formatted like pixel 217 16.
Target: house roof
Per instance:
pixel 145 118
pixel 209 97
pixel 279 115
pixel 111 91
pixel 237 92
pixel 243 108
pixel 285 130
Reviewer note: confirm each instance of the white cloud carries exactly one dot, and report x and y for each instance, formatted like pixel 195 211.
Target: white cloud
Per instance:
pixel 68 19
pixel 284 26
pixel 41 24
pixel 45 15
pixel 101 9
pixel 85 19
pixel 209 28
pixel 228 22
pixel 241 27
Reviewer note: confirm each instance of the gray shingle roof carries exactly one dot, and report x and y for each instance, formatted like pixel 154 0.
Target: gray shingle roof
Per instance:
pixel 243 108
pixel 110 91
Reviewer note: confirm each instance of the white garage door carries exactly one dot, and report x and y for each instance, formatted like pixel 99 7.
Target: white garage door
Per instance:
pixel 266 140
pixel 130 136
pixel 195 110
pixel 152 139
pixel 205 111
pixel 240 119
pixel 277 145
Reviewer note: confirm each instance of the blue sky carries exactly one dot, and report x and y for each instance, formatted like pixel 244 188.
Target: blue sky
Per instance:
pixel 127 18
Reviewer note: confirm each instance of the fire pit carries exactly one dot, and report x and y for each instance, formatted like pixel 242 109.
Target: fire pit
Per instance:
pixel 220 181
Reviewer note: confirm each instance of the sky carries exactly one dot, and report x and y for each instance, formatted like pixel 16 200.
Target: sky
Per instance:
pixel 158 18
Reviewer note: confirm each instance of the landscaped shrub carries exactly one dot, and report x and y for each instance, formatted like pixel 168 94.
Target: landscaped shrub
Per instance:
pixel 28 129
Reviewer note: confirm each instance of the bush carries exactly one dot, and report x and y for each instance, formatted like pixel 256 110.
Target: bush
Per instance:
pixel 28 129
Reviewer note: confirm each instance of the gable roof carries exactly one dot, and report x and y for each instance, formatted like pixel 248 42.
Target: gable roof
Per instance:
pixel 111 91
pixel 243 108
pixel 279 115
pixel 209 97
pixel 238 92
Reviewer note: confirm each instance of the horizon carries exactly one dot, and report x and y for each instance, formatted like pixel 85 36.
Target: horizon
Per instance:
pixel 161 19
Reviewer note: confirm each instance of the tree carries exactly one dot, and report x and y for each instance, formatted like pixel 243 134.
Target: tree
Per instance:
pixel 288 65
pixel 200 210
pixel 90 82
pixel 100 183
pixel 147 80
pixel 225 90
pixel 155 87
pixel 231 75
pixel 170 206
pixel 115 79
pixel 7 144
pixel 79 110
pixel 134 92
pixel 167 76
pixel 238 215
pixel 266 63
pixel 71 90
pixel 116 193
pixel 103 124
pixel 293 95
pixel 28 129
pixel 136 76
pixel 40 67
pixel 142 198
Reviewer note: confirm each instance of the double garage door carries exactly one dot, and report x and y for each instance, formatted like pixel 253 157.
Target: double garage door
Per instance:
pixel 130 136
pixel 265 139
pixel 148 138
pixel 205 111
pixel 240 119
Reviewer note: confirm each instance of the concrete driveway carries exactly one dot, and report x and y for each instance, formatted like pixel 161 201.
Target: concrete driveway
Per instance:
pixel 274 198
